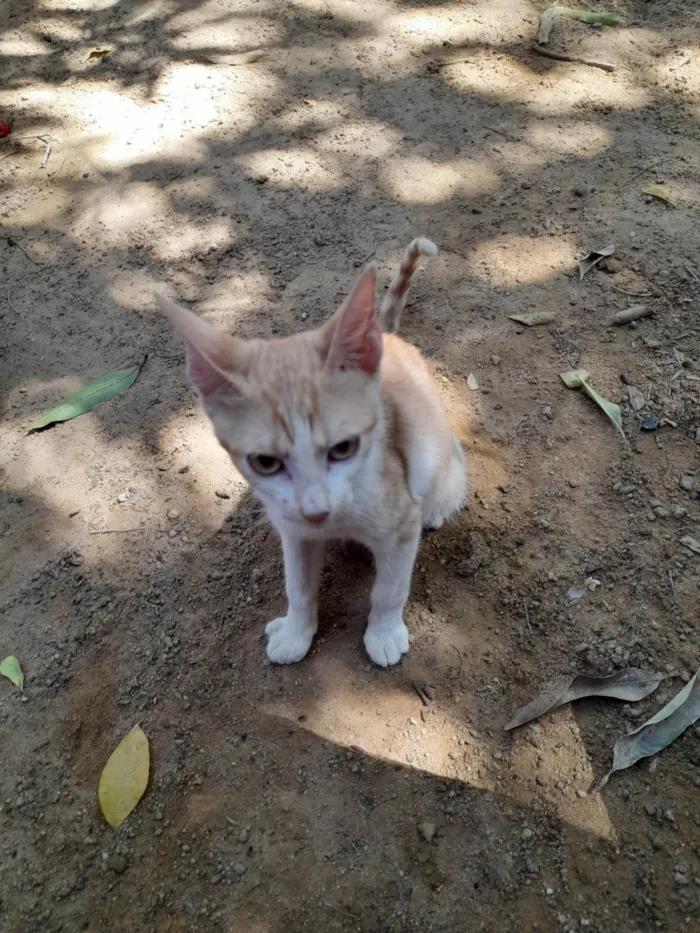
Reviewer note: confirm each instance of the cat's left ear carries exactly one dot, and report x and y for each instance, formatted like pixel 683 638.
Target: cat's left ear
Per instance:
pixel 353 336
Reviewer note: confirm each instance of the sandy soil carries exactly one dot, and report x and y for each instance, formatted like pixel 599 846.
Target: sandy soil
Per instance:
pixel 297 799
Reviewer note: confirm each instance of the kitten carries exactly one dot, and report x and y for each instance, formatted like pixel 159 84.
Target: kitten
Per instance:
pixel 341 433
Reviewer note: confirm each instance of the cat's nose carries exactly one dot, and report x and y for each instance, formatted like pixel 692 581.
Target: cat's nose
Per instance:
pixel 317 518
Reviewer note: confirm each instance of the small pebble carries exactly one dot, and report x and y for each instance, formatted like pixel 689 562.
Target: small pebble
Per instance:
pixel 173 515
pixel 427 831
pixel 239 868
pixel 686 482
pixel 117 864
pixel 526 834
pixel 222 494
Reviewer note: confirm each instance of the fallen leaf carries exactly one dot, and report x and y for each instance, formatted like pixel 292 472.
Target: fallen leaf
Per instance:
pixel 533 318
pixel 12 669
pixel 125 777
pixel 593 258
pixel 630 685
pixel 635 313
pixel 85 399
pixel 242 58
pixel 660 192
pixel 472 383
pixel 99 52
pixel 547 21
pixel 659 731
pixel 591 19
pixel 577 379
pixel 692 543
pixel 637 400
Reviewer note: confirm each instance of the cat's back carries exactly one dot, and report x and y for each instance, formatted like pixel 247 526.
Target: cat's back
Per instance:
pixel 408 386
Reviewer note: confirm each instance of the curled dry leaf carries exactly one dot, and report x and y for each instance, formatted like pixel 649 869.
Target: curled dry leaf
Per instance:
pixel 593 258
pixel 637 400
pixel 578 379
pixel 635 313
pixel 691 543
pixel 631 685
pixel 12 669
pixel 125 777
pixel 547 21
pixel 533 318
pixel 659 731
pixel 661 193
pixel 241 58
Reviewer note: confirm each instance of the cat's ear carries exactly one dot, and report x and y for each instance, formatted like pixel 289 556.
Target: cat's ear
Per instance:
pixel 214 359
pixel 352 335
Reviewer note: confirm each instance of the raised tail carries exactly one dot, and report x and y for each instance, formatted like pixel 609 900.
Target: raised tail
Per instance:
pixel 395 298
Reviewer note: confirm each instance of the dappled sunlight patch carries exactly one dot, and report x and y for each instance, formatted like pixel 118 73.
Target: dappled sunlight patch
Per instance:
pixel 302 168
pixel 422 181
pixel 580 138
pixel 134 289
pixel 553 749
pixel 121 208
pixel 383 721
pixel 365 141
pixel 236 296
pixel 504 261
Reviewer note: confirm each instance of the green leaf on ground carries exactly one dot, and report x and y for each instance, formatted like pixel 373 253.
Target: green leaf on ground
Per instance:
pixel 85 399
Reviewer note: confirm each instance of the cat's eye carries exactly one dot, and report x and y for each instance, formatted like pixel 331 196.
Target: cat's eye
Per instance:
pixel 345 449
pixel 264 464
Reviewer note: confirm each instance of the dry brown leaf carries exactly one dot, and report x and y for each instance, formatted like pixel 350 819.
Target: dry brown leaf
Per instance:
pixel 630 685
pixel 241 58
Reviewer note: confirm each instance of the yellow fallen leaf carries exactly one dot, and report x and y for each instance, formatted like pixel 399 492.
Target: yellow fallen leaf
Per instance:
pixel 11 669
pixel 125 777
pixel 100 52
pixel 660 192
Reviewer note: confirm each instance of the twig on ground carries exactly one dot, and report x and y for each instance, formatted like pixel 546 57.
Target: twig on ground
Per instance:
pixel 674 595
pixel 116 531
pixel 623 291
pixel 424 698
pixel 647 168
pixel 461 661
pixel 563 57
pixel 11 241
pixel 527 616
pixel 455 61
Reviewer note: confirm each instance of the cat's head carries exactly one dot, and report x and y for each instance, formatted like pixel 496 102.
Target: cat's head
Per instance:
pixel 297 415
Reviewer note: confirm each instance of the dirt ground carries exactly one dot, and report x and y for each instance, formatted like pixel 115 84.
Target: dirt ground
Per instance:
pixel 137 571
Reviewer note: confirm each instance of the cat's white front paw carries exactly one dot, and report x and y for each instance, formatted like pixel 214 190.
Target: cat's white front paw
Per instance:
pixel 386 641
pixel 289 639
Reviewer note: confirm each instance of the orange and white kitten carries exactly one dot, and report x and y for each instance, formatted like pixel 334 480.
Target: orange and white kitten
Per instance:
pixel 341 433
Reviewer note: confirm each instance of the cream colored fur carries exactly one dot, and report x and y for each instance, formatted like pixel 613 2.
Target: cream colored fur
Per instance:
pixel 291 401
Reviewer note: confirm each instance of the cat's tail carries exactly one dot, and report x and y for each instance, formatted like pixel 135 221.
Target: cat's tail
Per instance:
pixel 395 298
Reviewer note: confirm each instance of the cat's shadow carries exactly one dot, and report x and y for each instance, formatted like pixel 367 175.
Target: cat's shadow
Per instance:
pixel 348 570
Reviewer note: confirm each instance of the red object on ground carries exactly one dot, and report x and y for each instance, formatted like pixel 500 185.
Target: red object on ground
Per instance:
pixel 5 130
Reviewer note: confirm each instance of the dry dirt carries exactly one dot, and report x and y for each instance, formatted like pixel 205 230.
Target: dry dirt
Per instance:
pixel 289 799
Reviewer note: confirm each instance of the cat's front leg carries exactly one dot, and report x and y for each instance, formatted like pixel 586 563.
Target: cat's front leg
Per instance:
pixel 290 637
pixel 386 638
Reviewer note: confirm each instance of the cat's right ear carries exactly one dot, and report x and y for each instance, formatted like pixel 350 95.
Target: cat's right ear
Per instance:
pixel 214 359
